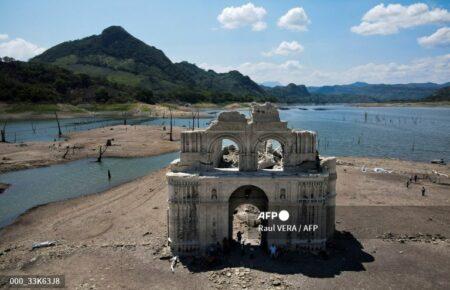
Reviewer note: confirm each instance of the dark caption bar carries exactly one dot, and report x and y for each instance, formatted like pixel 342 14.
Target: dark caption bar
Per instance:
pixel 32 281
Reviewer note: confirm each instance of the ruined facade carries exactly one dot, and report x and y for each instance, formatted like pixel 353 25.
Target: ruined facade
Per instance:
pixel 202 197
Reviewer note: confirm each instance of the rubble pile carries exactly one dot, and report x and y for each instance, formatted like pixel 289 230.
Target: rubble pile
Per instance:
pixel 270 157
pixel 419 237
pixel 244 278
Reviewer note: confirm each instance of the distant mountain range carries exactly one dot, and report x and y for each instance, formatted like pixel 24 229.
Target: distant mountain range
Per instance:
pixel 291 93
pixel 117 67
pixel 271 84
pixel 380 92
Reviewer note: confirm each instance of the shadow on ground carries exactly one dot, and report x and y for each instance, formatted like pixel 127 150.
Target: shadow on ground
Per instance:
pixel 344 253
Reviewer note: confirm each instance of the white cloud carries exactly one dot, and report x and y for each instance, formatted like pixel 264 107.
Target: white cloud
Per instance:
pixel 20 49
pixel 285 48
pixel 294 19
pixel 440 38
pixel 433 69
pixel 245 15
pixel 390 19
pixel 3 37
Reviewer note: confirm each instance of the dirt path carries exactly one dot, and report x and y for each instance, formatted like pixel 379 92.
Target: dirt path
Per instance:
pixel 114 240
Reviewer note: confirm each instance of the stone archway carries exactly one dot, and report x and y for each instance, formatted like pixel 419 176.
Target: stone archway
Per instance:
pixel 273 138
pixel 247 195
pixel 215 148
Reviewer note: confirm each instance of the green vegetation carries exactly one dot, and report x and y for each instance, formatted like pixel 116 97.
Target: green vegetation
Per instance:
pixel 440 95
pixel 291 93
pixel 363 92
pixel 22 82
pixel 120 58
pixel 114 107
pixel 28 107
pixel 115 67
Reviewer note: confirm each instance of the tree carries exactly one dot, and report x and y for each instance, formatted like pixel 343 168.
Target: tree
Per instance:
pixel 145 96
pixel 3 132
pixel 193 119
pixel 171 125
pixel 100 153
pixel 101 95
pixel 59 125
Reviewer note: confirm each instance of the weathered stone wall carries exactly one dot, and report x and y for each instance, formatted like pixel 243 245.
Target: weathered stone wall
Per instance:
pixel 199 194
pixel 200 148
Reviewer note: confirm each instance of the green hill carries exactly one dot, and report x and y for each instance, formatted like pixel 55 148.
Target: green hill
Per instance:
pixel 43 83
pixel 379 92
pixel 121 58
pixel 291 93
pixel 440 95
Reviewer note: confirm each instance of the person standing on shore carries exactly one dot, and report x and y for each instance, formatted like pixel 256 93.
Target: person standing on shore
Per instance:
pixel 423 190
pixel 273 251
pixel 239 236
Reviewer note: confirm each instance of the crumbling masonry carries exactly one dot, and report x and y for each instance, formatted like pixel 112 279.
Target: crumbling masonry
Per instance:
pixel 202 197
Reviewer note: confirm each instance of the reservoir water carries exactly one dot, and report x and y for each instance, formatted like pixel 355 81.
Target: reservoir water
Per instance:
pixel 419 134
pixel 47 130
pixel 410 133
pixel 32 187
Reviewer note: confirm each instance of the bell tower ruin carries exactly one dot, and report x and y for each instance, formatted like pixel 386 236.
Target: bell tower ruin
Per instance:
pixel 202 196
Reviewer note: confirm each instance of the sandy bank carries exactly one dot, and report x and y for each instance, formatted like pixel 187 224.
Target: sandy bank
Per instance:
pixel 27 111
pixel 127 141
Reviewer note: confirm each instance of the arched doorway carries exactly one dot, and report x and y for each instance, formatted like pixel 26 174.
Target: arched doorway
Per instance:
pixel 245 204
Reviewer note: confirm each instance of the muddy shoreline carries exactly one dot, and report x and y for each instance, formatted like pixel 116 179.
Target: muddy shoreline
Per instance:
pixel 126 141
pixel 119 235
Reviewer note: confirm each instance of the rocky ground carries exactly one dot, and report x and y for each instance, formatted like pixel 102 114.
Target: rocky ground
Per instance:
pixel 126 141
pixel 389 237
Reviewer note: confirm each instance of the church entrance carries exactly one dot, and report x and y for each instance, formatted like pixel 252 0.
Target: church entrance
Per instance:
pixel 245 204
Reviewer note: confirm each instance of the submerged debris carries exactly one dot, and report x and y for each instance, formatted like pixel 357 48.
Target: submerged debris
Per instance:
pixel 438 161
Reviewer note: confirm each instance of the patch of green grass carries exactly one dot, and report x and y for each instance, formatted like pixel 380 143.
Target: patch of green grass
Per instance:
pixel 29 107
pixel 169 105
pixel 146 109
pixel 109 107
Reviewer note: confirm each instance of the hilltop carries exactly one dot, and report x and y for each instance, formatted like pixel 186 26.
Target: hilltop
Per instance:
pixel 121 58
pixel 440 95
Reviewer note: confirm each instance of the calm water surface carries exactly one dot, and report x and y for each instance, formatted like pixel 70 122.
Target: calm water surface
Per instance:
pixel 419 134
pixel 32 187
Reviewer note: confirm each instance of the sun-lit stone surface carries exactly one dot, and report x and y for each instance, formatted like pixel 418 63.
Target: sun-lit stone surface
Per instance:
pixel 202 197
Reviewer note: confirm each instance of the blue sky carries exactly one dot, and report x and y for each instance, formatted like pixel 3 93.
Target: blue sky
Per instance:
pixel 320 45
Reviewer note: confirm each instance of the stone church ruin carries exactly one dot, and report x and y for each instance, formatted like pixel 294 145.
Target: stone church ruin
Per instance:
pixel 256 161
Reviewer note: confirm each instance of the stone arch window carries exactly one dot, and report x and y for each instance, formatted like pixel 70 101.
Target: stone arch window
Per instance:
pixel 270 153
pixel 214 194
pixel 225 152
pixel 282 193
